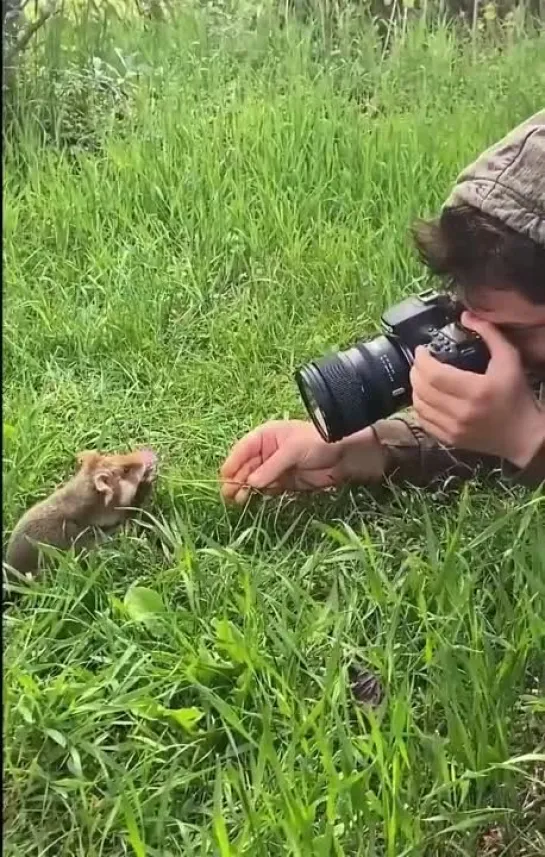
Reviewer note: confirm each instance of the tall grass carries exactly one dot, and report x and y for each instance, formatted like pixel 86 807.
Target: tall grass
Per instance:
pixel 248 210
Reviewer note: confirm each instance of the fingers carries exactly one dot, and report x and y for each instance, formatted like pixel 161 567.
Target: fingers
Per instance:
pixel 243 494
pixel 431 420
pixel 274 467
pixel 254 474
pixel 239 480
pixel 246 448
pixel 245 468
pixel 249 446
pixel 426 395
pixel 502 352
pixel 429 372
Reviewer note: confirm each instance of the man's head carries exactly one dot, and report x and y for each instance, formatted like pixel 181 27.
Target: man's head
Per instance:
pixel 488 244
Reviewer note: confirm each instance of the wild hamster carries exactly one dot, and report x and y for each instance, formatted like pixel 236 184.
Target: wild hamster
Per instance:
pixel 80 512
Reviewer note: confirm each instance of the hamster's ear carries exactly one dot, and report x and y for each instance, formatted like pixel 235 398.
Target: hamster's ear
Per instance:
pixel 103 481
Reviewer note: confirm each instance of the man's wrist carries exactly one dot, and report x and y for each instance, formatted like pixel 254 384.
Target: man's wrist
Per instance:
pixel 362 458
pixel 530 440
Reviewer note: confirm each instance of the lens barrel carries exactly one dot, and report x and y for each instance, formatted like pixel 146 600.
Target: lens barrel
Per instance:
pixel 350 390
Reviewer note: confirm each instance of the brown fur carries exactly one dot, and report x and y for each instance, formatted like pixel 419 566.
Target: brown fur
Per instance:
pixel 77 514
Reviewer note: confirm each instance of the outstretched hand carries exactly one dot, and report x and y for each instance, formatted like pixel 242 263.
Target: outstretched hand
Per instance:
pixel 281 455
pixel 290 455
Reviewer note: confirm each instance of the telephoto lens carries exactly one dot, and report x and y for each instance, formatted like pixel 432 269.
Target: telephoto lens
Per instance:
pixel 350 390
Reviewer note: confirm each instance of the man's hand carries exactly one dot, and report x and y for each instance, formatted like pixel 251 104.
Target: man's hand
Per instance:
pixel 495 414
pixel 290 455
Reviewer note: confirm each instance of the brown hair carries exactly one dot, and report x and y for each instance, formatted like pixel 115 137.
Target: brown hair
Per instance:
pixel 471 250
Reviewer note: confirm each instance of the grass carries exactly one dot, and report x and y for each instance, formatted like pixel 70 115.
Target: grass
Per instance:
pixel 251 211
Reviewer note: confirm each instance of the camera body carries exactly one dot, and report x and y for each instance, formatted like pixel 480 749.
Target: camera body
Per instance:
pixel 432 320
pixel 350 390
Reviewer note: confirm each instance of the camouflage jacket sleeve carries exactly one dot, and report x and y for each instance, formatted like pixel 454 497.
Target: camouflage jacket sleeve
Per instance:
pixel 414 456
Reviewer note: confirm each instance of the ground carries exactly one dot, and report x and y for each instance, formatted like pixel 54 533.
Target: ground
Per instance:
pixel 245 210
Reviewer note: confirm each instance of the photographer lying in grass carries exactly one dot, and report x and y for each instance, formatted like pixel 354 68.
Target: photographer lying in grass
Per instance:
pixel 488 246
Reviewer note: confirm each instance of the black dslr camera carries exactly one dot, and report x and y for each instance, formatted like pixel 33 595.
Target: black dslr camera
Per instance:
pixel 350 390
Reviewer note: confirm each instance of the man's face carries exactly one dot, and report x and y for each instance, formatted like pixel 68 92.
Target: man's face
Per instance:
pixel 522 322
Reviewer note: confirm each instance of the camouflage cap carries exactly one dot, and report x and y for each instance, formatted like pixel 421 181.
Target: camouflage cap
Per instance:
pixel 508 180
